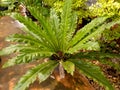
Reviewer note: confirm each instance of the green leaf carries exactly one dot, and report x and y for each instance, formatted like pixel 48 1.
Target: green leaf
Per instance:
pixel 72 27
pixel 10 62
pixel 69 67
pixel 22 38
pixel 86 39
pixel 55 25
pixel 27 55
pixel 91 45
pixel 34 30
pixel 92 71
pixel 55 22
pixel 45 73
pixel 87 29
pixel 102 57
pixel 11 49
pixel 43 69
pixel 95 32
pixel 65 22
pixel 49 34
pixel 95 55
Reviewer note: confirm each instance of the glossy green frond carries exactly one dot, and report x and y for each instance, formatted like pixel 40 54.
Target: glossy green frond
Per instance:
pixel 11 49
pixel 27 54
pixel 93 72
pixel 49 34
pixel 24 49
pixel 72 27
pixel 100 56
pixel 28 40
pixel 42 71
pixel 65 22
pixel 34 30
pixel 31 49
pixel 93 34
pixel 91 45
pixel 25 39
pixel 86 30
pixel 44 23
pixel 45 73
pixel 55 25
pixel 85 40
pixel 94 55
pixel 10 62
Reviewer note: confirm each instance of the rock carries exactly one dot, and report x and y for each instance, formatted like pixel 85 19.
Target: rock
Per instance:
pixel 8 26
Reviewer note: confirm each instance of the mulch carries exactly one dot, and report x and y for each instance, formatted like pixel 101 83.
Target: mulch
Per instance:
pixel 111 74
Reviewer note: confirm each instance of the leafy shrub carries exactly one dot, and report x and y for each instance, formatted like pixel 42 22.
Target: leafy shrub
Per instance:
pixel 79 6
pixel 54 38
pixel 105 7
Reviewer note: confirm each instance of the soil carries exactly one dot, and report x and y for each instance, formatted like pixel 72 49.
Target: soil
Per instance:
pixel 110 73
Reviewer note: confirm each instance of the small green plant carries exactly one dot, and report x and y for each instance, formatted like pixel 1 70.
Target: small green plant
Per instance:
pixel 54 38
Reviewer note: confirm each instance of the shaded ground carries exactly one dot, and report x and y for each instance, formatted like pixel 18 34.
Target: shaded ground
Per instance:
pixel 10 76
pixel 111 74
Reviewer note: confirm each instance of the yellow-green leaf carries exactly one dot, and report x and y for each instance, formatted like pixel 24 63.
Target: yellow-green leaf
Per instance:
pixel 69 67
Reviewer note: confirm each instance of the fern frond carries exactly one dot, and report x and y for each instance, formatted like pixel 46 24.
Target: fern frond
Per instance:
pixel 55 22
pixel 65 22
pixel 47 29
pixel 86 30
pixel 34 30
pixel 81 44
pixel 31 49
pixel 93 72
pixel 102 57
pixel 91 45
pixel 11 49
pixel 25 39
pixel 96 32
pixel 10 62
pixel 55 25
pixel 95 55
pixel 27 54
pixel 43 71
pixel 72 27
